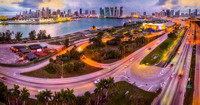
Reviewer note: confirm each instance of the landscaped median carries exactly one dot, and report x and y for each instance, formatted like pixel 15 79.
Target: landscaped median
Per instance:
pixel 163 51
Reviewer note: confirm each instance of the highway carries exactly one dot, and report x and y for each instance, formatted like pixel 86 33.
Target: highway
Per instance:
pixel 120 70
pixel 174 90
pixel 79 84
pixel 196 95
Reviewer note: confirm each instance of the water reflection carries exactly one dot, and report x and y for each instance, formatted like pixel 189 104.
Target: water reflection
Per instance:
pixel 65 28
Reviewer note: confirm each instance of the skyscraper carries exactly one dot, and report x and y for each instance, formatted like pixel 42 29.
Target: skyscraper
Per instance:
pixel 121 11
pixel 93 12
pixel 47 12
pixel 101 12
pixel 172 13
pixel 196 12
pixel 115 13
pixel 111 11
pixel 107 11
pixel 80 11
pixel 168 13
pixel 69 12
pixel 177 13
pixel 58 11
pixel 86 12
pixel 144 13
pixel 189 12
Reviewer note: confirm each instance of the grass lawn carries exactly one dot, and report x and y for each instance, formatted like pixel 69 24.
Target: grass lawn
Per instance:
pixel 55 43
pixel 117 96
pixel 160 53
pixel 189 91
pixel 131 48
pixel 41 73
pixel 138 96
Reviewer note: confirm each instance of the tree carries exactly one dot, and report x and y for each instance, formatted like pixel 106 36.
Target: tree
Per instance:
pixel 66 42
pixel 32 35
pixel 82 100
pixel 78 66
pixel 47 95
pixel 18 36
pixel 3 88
pixel 16 93
pixel 24 95
pixel 69 67
pixel 56 97
pixel 99 89
pixel 71 98
pixel 40 97
pixel 7 95
pixel 49 36
pixel 63 96
pixel 8 34
pixel 42 34
pixel 110 84
pixel 100 34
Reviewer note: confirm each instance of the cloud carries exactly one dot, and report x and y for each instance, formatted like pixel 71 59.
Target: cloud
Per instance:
pixel 29 3
pixel 175 2
pixel 161 2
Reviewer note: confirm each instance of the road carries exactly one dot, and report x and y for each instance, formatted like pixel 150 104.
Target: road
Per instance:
pixel 174 90
pixel 85 83
pixel 196 95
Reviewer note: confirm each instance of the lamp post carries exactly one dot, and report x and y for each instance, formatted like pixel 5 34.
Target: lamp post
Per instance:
pixel 62 70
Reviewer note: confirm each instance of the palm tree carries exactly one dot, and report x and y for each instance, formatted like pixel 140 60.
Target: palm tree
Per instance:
pixel 40 97
pixel 56 97
pixel 110 83
pixel 18 36
pixel 71 98
pixel 7 95
pixel 121 49
pixel 47 95
pixel 24 95
pixel 63 96
pixel 97 91
pixel 16 93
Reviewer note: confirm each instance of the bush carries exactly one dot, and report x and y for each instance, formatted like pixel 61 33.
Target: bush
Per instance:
pixel 112 54
pixel 51 68
pixel 69 67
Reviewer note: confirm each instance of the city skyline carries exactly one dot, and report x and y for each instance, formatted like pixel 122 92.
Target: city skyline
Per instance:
pixel 12 7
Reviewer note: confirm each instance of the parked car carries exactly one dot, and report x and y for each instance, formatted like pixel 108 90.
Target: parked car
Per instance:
pixel 97 81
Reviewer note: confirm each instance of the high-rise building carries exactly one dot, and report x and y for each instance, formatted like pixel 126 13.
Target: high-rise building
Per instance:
pixel 30 11
pixel 121 11
pixel 196 12
pixel 86 12
pixel 93 12
pixel 80 11
pixel 172 13
pixel 177 13
pixel 58 12
pixel 69 12
pixel 76 13
pixel 168 13
pixel 144 13
pixel 101 12
pixel 47 12
pixel 115 13
pixel 107 11
pixel 189 12
pixel 111 11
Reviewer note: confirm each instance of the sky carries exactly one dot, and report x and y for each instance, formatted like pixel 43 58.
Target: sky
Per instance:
pixel 11 7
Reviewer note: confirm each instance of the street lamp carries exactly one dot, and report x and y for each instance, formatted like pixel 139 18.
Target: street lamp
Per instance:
pixel 62 70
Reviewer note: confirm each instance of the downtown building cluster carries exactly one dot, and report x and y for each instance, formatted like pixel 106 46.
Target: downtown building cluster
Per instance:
pixel 111 12
pixel 172 13
pixel 48 13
